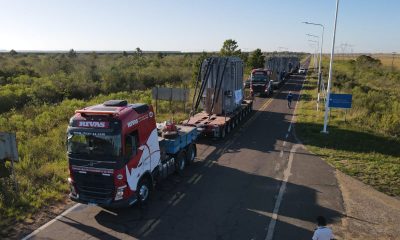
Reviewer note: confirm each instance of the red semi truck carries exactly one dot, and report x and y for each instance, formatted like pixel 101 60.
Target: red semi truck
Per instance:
pixel 116 154
pixel 260 82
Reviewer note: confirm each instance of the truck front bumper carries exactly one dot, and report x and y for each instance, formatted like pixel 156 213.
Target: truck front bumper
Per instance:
pixel 109 203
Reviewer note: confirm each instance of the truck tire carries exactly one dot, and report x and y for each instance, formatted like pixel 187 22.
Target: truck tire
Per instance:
pixel 191 153
pixel 180 162
pixel 143 190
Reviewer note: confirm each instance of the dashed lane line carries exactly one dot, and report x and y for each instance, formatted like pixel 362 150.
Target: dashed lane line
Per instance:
pixel 286 174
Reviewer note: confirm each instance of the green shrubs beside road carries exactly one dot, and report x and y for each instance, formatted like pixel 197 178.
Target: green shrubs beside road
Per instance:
pixel 364 141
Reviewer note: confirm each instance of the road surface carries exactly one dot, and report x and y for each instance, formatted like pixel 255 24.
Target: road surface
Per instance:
pixel 257 183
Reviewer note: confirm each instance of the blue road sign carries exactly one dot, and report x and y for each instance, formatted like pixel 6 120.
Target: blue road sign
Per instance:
pixel 340 100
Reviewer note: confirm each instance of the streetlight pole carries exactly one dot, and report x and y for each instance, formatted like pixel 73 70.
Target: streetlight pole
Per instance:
pixel 315 52
pixel 320 56
pixel 330 72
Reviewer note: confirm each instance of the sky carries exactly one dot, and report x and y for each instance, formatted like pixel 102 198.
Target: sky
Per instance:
pixel 198 25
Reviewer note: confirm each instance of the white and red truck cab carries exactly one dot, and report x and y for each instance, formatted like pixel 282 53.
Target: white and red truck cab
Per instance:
pixel 116 155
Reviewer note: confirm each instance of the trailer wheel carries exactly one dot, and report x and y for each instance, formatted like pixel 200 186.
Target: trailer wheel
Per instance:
pixel 191 154
pixel 180 162
pixel 143 191
pixel 222 132
pixel 228 127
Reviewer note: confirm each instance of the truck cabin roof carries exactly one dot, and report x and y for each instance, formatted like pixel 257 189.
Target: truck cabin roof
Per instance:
pixel 116 109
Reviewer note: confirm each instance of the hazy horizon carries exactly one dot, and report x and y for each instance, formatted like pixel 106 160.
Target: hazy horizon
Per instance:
pixel 177 25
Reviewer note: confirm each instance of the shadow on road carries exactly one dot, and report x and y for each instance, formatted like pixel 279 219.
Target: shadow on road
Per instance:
pixel 225 204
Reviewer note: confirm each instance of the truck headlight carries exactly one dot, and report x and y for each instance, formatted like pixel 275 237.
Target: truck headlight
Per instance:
pixel 72 187
pixel 120 193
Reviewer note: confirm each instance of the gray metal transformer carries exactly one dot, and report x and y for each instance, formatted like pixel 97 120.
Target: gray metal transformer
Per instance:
pixel 223 79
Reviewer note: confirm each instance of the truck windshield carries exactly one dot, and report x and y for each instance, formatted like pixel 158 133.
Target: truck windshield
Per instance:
pixel 259 77
pixel 94 144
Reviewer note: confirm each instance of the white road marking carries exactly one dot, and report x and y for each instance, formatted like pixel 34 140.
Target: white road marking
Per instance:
pixel 282 189
pixel 179 199
pixel 52 221
pixel 152 226
pixel 286 175
pixel 197 179
pixel 193 178
pixel 211 164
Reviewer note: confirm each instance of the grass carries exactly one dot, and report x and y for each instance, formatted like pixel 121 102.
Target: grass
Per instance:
pixel 353 149
pixel 386 59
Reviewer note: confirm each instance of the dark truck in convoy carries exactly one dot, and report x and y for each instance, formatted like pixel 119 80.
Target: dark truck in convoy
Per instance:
pixel 260 82
pixel 116 154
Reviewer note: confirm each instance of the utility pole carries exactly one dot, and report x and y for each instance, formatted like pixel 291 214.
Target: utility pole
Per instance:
pixel 328 93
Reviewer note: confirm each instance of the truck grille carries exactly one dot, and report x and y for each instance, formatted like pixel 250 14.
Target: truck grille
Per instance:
pixel 94 186
pixel 258 88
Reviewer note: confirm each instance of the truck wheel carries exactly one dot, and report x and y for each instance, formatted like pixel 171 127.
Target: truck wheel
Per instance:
pixel 143 191
pixel 180 163
pixel 190 154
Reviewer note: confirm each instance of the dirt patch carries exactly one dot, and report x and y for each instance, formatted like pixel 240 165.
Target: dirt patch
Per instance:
pixel 21 229
pixel 370 214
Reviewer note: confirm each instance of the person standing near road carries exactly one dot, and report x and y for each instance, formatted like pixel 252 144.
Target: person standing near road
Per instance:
pixel 289 99
pixel 322 232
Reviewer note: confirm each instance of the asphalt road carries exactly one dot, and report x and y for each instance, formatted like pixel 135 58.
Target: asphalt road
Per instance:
pixel 255 184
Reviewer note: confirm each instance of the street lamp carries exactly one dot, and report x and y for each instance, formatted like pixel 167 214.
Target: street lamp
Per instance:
pixel 330 72
pixel 316 52
pixel 320 55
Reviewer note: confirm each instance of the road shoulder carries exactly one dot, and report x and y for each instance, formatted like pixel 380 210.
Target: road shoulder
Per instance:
pixel 370 214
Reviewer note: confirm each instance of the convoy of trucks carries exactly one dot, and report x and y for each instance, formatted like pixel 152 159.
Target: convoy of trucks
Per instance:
pixel 280 68
pixel 117 152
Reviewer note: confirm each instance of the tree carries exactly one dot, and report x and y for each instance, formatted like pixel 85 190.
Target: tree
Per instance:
pixel 256 59
pixel 72 53
pixel 124 53
pixel 13 52
pixel 230 48
pixel 139 52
